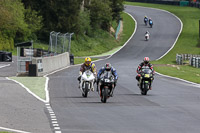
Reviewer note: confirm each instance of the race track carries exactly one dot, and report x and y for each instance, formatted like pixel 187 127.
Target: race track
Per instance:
pixel 171 107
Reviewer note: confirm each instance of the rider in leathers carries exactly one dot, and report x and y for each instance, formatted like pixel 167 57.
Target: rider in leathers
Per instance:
pixel 145 19
pixel 88 65
pixel 108 67
pixel 144 63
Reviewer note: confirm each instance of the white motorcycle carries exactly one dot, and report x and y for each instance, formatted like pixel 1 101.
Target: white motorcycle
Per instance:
pixel 146 36
pixel 87 83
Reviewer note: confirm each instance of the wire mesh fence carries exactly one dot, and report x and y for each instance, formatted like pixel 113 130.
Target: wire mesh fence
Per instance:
pixel 59 42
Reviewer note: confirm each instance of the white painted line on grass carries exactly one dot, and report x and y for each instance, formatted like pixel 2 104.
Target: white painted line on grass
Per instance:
pixel 13 130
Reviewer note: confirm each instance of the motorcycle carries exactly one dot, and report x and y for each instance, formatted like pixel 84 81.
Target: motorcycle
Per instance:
pixel 145 21
pixel 106 86
pixel 87 82
pixel 145 80
pixel 146 36
pixel 151 23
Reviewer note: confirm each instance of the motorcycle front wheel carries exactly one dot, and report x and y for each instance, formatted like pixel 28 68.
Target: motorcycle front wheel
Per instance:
pixel 145 89
pixel 85 94
pixel 104 93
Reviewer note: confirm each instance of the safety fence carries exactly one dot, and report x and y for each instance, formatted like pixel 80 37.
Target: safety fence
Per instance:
pixel 59 42
pixel 118 28
pixel 194 60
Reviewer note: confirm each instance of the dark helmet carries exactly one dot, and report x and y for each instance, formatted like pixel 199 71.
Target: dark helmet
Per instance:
pixel 146 60
pixel 108 66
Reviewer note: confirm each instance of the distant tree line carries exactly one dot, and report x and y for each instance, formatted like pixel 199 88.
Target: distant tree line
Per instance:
pixel 78 16
pixel 23 20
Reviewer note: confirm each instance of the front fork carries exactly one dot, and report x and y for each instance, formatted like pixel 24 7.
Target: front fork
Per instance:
pixel 81 84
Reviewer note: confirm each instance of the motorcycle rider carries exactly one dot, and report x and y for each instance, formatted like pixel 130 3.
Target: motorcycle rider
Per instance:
pixel 145 19
pixel 147 33
pixel 150 22
pixel 108 67
pixel 88 65
pixel 144 63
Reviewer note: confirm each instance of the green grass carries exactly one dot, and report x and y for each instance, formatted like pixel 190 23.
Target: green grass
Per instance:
pixel 187 43
pixel 35 84
pixel 103 41
pixel 128 29
pixel 184 72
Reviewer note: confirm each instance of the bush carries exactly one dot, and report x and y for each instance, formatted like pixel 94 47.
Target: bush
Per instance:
pixel 6 44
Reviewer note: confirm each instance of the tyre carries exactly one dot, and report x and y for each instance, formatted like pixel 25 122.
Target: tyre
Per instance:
pixel 146 86
pixel 104 95
pixel 85 94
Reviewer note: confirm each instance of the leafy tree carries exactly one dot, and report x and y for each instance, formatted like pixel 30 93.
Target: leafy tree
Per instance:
pixel 12 20
pixel 101 14
pixel 83 24
pixel 117 7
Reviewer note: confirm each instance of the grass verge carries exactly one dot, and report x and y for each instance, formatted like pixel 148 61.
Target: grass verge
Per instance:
pixel 104 44
pixel 35 84
pixel 186 44
pixel 103 41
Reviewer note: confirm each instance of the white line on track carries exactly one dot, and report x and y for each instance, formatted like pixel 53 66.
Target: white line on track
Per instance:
pixel 27 89
pixel 5 66
pixel 13 130
pixel 192 83
pixel 54 121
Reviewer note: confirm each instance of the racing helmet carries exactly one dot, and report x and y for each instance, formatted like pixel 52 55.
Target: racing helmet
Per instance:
pixel 146 60
pixel 108 66
pixel 88 61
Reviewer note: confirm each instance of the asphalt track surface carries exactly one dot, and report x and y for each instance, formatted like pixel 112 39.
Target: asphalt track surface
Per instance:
pixel 172 106
pixel 19 110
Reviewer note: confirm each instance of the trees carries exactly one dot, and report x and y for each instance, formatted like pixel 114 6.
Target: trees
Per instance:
pixel 12 20
pixel 117 7
pixel 23 20
pixel 100 14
